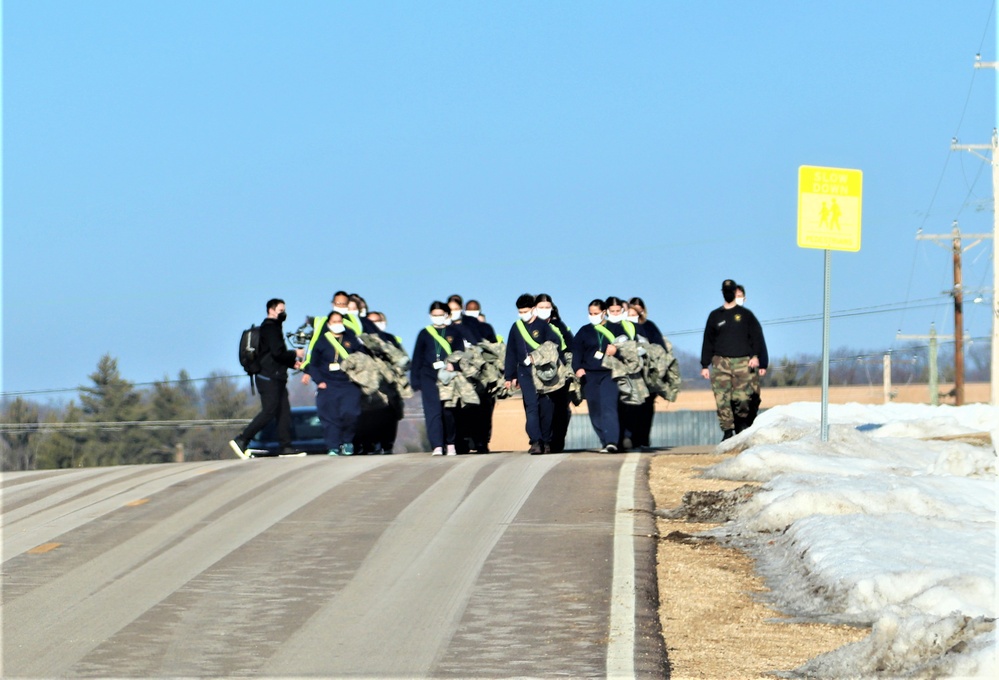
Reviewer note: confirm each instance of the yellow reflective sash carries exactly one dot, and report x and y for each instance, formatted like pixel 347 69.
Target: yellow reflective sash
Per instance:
pixel 318 322
pixel 336 345
pixel 352 323
pixel 629 328
pixel 602 330
pixel 559 334
pixel 436 336
pixel 531 342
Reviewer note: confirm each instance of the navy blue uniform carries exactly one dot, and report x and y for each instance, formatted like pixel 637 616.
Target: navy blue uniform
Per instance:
pixel 474 421
pixel 636 421
pixel 538 408
pixel 561 413
pixel 480 330
pixel 379 424
pixel 440 421
pixel 599 388
pixel 339 403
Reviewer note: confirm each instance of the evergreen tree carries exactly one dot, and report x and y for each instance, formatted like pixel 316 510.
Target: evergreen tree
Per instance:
pixel 112 399
pixel 170 402
pixel 61 448
pixel 221 399
pixel 18 453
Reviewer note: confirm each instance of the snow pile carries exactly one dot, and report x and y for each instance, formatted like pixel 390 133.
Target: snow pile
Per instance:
pixel 890 524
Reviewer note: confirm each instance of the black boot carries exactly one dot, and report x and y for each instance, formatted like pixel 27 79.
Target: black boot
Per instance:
pixel 728 434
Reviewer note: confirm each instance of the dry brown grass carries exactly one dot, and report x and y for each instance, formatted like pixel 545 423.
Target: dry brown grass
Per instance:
pixel 713 626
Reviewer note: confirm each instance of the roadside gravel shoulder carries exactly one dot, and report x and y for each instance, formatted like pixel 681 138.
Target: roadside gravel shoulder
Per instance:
pixel 713 624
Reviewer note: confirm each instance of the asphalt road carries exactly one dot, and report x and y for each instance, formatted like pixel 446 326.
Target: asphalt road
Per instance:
pixel 490 566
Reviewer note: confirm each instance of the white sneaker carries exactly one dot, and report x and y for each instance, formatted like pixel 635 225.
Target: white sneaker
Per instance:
pixel 451 450
pixel 438 451
pixel 237 449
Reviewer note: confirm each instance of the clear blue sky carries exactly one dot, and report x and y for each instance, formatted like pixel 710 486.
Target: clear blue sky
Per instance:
pixel 170 165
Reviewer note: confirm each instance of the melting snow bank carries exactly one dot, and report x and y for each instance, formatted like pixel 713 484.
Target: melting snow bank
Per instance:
pixel 881 526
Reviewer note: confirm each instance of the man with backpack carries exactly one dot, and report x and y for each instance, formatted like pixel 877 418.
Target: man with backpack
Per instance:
pixel 274 360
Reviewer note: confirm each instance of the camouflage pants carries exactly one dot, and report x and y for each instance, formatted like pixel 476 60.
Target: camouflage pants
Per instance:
pixel 734 386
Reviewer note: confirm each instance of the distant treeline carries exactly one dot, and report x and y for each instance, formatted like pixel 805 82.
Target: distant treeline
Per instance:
pixel 114 422
pixel 848 366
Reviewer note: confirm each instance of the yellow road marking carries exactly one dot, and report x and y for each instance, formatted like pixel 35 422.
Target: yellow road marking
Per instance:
pixel 43 548
pixel 141 501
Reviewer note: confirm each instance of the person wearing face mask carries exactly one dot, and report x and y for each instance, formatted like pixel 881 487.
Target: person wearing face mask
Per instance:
pixel 379 424
pixel 338 399
pixel 468 325
pixel 356 319
pixel 474 421
pixel 473 310
pixel 756 398
pixel 641 425
pixel 629 415
pixel 380 322
pixel 734 348
pixel 433 346
pixel 589 346
pixel 272 382
pixel 546 310
pixel 526 334
pixel 340 301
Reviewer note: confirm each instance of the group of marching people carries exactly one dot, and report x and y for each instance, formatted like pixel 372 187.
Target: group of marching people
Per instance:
pixel 359 370
pixel 618 363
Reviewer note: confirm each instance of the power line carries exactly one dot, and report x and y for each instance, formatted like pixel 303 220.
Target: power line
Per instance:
pixel 858 311
pixel 921 303
pixel 179 381
pixel 121 425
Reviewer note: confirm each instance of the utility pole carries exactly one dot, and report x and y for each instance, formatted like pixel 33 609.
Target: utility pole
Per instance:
pixel 934 382
pixel 886 376
pixel 994 161
pixel 958 293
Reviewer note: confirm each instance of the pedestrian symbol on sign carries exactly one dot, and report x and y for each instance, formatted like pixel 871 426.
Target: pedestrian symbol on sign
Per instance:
pixel 829 208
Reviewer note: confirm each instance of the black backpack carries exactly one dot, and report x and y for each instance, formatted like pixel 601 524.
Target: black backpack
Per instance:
pixel 249 352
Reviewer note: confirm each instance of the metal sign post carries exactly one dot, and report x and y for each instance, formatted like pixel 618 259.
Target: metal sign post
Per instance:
pixel 829 201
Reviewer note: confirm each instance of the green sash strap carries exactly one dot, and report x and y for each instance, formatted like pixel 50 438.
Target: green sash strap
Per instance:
pixel 352 323
pixel 443 343
pixel 629 328
pixel 336 345
pixel 318 322
pixel 602 330
pixel 560 336
pixel 531 342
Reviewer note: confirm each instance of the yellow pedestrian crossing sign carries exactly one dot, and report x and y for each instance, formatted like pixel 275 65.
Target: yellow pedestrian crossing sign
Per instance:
pixel 829 208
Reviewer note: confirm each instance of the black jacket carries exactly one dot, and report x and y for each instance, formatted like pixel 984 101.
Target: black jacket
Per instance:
pixel 275 357
pixel 733 332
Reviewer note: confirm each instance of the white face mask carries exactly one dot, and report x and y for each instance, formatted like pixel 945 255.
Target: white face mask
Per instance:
pixel 595 319
pixel 543 313
pixel 474 313
pixel 336 328
pixel 354 313
pixel 342 311
pixel 380 325
pixel 455 314
pixel 740 301
pixel 633 319
pixel 439 320
pixel 526 316
pixel 616 318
